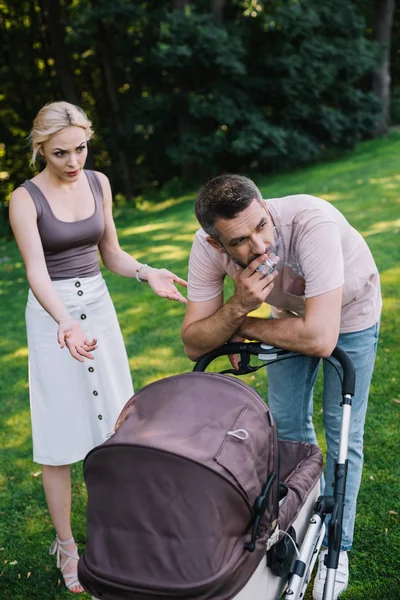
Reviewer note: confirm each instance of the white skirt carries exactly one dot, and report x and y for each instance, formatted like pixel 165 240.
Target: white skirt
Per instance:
pixel 74 406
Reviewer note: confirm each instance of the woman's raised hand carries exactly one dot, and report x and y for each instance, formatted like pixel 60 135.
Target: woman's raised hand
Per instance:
pixel 162 282
pixel 71 334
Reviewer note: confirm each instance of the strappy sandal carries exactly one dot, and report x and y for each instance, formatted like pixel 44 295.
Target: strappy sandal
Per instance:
pixel 70 579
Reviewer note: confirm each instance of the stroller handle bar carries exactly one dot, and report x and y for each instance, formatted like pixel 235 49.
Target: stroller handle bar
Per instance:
pixel 271 354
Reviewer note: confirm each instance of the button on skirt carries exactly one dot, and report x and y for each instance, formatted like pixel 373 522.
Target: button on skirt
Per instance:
pixel 74 406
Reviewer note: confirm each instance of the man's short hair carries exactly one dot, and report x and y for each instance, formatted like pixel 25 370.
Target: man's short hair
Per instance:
pixel 224 197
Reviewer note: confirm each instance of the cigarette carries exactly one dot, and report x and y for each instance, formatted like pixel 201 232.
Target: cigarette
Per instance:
pixel 267 267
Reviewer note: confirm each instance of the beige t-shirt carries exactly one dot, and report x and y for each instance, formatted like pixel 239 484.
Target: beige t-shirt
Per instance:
pixel 319 252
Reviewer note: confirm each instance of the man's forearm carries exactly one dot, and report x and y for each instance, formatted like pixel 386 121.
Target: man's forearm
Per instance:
pixel 291 334
pixel 207 334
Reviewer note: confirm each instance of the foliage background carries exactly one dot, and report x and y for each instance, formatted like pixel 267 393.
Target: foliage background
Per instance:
pixel 188 90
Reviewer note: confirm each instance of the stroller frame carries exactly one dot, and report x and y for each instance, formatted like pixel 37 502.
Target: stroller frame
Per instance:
pixel 302 566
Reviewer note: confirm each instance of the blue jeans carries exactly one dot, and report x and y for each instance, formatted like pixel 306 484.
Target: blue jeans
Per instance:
pixel 290 397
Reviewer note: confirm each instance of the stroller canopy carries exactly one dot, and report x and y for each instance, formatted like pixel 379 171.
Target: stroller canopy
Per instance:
pixel 171 493
pixel 174 494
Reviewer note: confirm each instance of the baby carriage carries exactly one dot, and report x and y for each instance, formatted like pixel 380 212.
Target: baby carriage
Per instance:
pixel 194 497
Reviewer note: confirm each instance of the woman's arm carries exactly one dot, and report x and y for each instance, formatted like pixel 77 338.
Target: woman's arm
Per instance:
pixel 117 260
pixel 23 220
pixel 114 258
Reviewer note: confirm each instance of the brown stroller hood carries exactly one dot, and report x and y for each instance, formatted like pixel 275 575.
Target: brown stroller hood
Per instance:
pixel 171 493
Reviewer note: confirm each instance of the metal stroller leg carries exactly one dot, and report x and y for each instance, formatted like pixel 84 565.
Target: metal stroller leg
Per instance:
pixel 302 566
pixel 301 569
pixel 329 588
pixel 313 560
pixel 335 524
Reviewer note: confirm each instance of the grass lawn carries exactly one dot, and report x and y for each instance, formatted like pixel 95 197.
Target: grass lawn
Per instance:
pixel 365 186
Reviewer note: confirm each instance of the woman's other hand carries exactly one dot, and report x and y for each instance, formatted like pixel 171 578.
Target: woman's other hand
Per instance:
pixel 162 282
pixel 71 334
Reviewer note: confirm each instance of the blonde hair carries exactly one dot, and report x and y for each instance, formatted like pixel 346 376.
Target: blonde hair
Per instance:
pixel 53 117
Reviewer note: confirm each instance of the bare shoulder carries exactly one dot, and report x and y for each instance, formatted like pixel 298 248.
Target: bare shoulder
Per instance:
pixel 103 178
pixel 105 183
pixel 19 194
pixel 23 216
pixel 21 200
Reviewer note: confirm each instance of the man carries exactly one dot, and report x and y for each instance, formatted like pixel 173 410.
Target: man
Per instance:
pixel 323 291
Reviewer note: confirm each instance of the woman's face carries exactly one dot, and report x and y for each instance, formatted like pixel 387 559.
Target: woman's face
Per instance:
pixel 65 153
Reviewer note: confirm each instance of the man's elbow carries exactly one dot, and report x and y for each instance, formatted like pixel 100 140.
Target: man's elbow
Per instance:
pixel 323 345
pixel 191 352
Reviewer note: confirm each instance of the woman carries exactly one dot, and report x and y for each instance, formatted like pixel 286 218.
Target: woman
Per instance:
pixel 78 368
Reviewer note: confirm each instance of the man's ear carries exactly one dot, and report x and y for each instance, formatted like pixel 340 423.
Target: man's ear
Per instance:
pixel 215 244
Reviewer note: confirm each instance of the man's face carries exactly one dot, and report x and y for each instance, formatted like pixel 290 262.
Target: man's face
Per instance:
pixel 247 236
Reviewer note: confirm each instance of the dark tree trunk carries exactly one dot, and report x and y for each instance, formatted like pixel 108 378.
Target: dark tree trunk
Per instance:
pixel 39 34
pixel 217 10
pixel 7 57
pixel 179 4
pixel 183 123
pixel 383 21
pixel 109 79
pixel 52 17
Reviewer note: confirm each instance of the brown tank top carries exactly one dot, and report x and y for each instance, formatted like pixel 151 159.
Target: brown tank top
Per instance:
pixel 70 248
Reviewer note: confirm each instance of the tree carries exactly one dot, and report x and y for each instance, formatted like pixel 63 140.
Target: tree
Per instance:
pixel 184 125
pixel 383 22
pixel 183 88
pixel 52 13
pixel 217 10
pixel 104 45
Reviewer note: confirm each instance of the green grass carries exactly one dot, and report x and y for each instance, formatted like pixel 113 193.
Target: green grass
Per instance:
pixel 365 186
